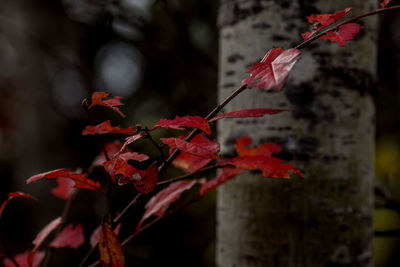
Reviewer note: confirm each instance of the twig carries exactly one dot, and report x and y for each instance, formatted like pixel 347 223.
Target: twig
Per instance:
pixel 64 215
pixel 7 250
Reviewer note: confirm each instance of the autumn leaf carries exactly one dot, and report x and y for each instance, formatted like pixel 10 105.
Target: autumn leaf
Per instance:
pixel 106 128
pixel 64 189
pixel 385 3
pixel 112 149
pixel 226 174
pixel 158 205
pixel 271 167
pixel 95 236
pixel 70 236
pixel 11 196
pixel 187 121
pixel 190 163
pixel 22 260
pixel 97 100
pixel 119 164
pixel 345 33
pixel 247 113
pixel 205 148
pixel 145 182
pixel 129 140
pixel 81 180
pixel 41 237
pixel 111 253
pixel 264 149
pixel 321 21
pixel 273 69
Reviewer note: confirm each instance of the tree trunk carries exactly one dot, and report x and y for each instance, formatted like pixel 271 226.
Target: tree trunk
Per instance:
pixel 326 218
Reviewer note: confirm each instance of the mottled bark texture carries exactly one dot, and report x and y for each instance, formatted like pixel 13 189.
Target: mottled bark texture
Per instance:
pixel 325 219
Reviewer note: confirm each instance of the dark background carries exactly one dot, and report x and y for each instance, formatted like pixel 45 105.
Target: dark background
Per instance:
pixel 161 56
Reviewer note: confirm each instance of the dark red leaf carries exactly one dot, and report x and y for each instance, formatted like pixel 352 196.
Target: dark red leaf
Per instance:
pixel 148 180
pixel 247 113
pixel 385 3
pixel 271 167
pixel 132 139
pixel 95 236
pixel 70 236
pixel 190 163
pixel 41 237
pixel 97 100
pixel 119 164
pixel 64 189
pixel 81 180
pixel 158 205
pixel 205 149
pixel 112 149
pixel 22 260
pixel 187 121
pixel 110 248
pixel 106 128
pixel 226 175
pixel 265 149
pixel 273 69
pixel 346 32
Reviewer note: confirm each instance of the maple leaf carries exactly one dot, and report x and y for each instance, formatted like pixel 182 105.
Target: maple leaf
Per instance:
pixel 11 196
pixel 97 100
pixel 81 180
pixel 147 181
pixel 271 167
pixel 70 236
pixel 95 236
pixel 64 189
pixel 129 140
pixel 324 20
pixel 226 175
pixel 110 248
pixel 106 128
pixel 22 260
pixel 158 205
pixel 119 164
pixel 112 149
pixel 205 148
pixel 345 33
pixel 385 3
pixel 272 71
pixel 41 237
pixel 187 121
pixel 265 149
pixel 247 113
pixel 190 163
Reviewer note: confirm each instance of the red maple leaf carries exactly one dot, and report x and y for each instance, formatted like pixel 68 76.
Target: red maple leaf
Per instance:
pixel 264 149
pixel 70 236
pixel 64 189
pixel 345 33
pixel 187 121
pixel 112 149
pixel 106 128
pixel 129 140
pixel 247 113
pixel 385 3
pixel 226 175
pixel 324 20
pixel 158 205
pixel 273 69
pixel 22 260
pixel 119 164
pixel 81 180
pixel 146 182
pixel 190 163
pixel 205 148
pixel 97 100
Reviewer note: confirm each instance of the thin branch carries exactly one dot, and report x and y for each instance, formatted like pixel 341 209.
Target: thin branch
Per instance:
pixel 148 136
pixel 85 106
pixel 133 201
pixel 64 216
pixel 7 250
